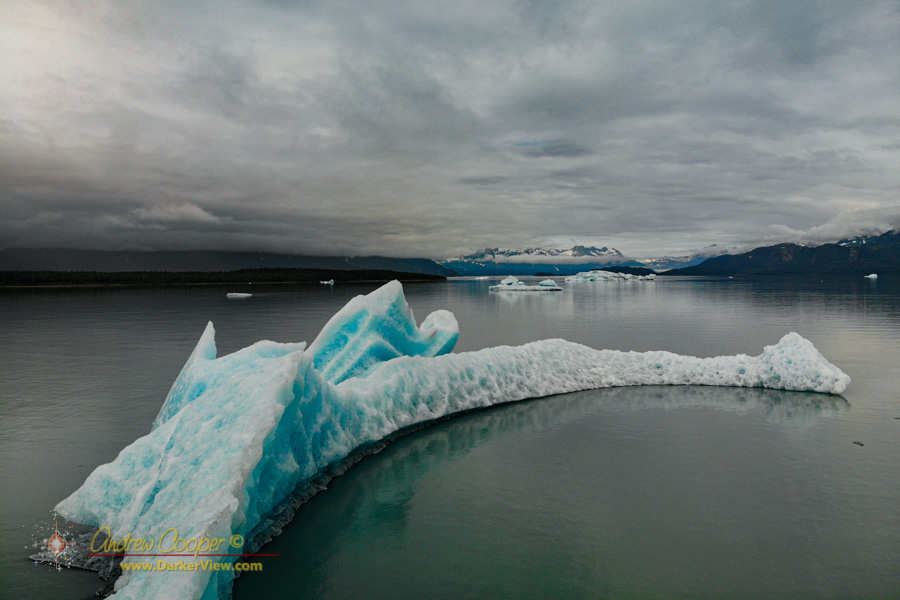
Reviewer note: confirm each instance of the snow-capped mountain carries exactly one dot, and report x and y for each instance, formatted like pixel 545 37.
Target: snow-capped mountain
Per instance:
pixel 575 254
pixel 664 263
pixel 891 237
pixel 502 261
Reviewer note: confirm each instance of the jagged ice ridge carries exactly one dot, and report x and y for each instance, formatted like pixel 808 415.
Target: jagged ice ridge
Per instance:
pixel 240 435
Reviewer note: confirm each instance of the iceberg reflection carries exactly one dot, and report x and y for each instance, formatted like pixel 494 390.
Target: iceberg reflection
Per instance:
pixel 400 501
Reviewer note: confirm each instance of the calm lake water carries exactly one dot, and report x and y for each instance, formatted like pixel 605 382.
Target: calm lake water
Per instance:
pixel 621 493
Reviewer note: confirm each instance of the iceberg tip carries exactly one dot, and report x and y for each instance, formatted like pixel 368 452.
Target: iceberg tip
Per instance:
pixel 179 394
pixel 375 328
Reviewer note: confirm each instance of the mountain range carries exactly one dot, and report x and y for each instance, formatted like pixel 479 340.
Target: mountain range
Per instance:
pixel 575 254
pixel 528 261
pixel 862 254
pixel 859 254
pixel 676 262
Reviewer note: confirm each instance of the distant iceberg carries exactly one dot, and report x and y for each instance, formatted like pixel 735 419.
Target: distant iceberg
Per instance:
pixel 240 436
pixel 512 284
pixel 872 276
pixel 237 295
pixel 609 276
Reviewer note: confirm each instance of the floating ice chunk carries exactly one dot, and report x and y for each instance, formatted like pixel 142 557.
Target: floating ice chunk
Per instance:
pixel 240 435
pixel 609 276
pixel 329 282
pixel 512 284
pixel 237 295
pixel 872 276
pixel 521 287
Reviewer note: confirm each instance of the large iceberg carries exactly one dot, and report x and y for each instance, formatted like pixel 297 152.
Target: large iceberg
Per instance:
pixel 240 436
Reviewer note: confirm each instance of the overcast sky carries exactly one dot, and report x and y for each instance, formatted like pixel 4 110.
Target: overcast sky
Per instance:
pixel 433 128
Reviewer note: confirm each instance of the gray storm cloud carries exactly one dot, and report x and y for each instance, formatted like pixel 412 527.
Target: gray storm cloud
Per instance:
pixel 429 129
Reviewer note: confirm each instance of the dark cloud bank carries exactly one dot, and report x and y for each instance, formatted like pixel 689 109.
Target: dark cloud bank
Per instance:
pixel 429 129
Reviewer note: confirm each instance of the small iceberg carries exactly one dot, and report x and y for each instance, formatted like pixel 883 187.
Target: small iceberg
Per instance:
pixel 329 282
pixel 610 276
pixel 237 295
pixel 512 284
pixel 872 276
pixel 241 439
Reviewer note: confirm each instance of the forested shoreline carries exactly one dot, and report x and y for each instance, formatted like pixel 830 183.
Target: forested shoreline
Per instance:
pixel 167 278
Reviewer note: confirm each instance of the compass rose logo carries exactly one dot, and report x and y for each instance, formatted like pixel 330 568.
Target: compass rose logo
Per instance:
pixel 57 544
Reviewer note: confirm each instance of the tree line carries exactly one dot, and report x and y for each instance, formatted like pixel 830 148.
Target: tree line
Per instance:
pixel 165 278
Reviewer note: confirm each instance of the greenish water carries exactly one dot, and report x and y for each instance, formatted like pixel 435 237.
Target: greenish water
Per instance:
pixel 625 493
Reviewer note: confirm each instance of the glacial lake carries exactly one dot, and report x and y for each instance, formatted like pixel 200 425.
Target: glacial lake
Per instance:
pixel 645 492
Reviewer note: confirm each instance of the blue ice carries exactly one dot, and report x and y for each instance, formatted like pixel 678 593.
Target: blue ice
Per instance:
pixel 240 435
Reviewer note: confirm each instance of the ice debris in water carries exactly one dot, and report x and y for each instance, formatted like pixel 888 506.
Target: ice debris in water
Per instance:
pixel 609 276
pixel 238 436
pixel 512 284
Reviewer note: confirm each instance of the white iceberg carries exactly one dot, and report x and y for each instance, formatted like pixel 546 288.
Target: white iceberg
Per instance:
pixel 512 284
pixel 240 436
pixel 237 295
pixel 329 282
pixel 872 276
pixel 609 276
